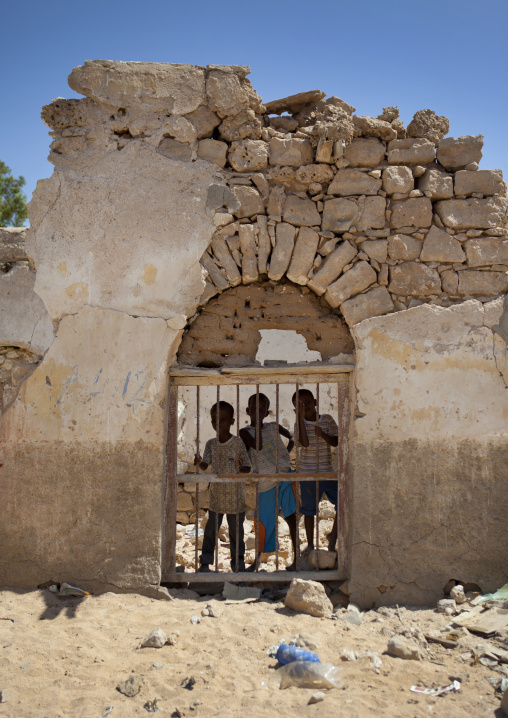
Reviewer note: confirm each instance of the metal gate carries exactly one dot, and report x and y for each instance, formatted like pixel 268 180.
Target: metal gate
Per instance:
pixel 340 377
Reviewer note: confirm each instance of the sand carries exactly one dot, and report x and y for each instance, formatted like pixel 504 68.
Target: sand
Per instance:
pixel 65 657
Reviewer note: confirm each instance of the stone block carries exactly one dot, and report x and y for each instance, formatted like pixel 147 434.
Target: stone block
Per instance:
pixel 308 597
pixel 350 181
pixel 213 151
pixel 450 281
pixel 332 267
pixel 427 124
pixel 184 501
pixel 264 244
pixel 455 153
pixel 294 103
pixel 438 246
pixel 398 179
pixel 488 182
pixel 290 153
pixel 404 247
pixel 373 303
pixel 484 251
pixel 413 212
pixel 204 121
pixel 283 250
pixel 246 233
pixel 482 284
pixel 180 129
pixel 174 150
pixel 276 201
pixel 339 215
pixel 353 282
pixel 308 174
pixel 365 152
pixel 410 152
pixel 301 212
pixel 223 255
pixel 12 244
pixel 248 155
pixel 414 280
pixel 472 213
pixel 376 249
pixel 175 88
pixel 436 185
pixel 303 256
pixel 372 213
pixel 225 93
pixel 250 202
pixel 246 125
pixel 218 279
pixel 372 127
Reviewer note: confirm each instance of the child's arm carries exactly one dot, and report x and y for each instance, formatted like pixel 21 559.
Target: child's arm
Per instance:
pixel 198 461
pixel 303 439
pixel 330 440
pixel 284 432
pixel 250 440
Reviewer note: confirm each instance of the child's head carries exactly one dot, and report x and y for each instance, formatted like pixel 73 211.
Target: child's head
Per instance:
pixel 252 407
pixel 226 416
pixel 307 404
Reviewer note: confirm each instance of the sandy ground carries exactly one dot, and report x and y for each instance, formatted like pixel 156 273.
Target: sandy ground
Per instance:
pixel 65 657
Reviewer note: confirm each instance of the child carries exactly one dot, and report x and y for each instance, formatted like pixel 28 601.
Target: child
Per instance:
pixel 268 455
pixel 226 457
pixel 315 437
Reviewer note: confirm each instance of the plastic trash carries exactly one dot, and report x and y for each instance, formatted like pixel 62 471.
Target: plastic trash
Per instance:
pixel 455 686
pixel 107 712
pixel 67 590
pixel 375 662
pixel 308 674
pixel 500 595
pixel 289 654
pixel 348 655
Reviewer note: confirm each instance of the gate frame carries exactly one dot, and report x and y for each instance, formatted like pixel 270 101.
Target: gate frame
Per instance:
pixel 297 374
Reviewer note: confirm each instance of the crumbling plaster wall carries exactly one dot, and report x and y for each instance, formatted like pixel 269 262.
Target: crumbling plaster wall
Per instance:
pixel 174 183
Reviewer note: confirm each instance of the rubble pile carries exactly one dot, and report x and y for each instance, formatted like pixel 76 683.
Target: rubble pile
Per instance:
pixel 374 217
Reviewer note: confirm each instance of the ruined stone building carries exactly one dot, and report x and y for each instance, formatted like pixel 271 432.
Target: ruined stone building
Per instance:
pixel 185 217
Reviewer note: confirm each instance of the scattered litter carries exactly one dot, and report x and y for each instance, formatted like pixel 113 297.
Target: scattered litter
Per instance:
pixel 304 640
pixel 131 686
pixel 289 654
pixel 195 620
pixel 375 662
pixel 455 686
pixel 306 674
pixel 67 590
pixel 500 595
pixel 235 593
pixel 445 642
pixel 156 639
pixel 348 655
pixel 151 706
pixel 106 713
pixel 272 651
pixel 264 685
pixel 188 683
pixel 316 697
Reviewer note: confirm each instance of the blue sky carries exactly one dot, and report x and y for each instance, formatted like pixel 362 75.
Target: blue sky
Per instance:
pixel 447 55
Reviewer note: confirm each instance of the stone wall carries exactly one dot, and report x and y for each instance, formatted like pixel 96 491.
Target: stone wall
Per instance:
pixel 174 184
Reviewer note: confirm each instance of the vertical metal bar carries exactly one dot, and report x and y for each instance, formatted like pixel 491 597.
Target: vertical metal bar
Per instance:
pixel 170 493
pixel 257 432
pixel 238 481
pixel 277 483
pixel 317 468
pixel 298 492
pixel 196 529
pixel 343 402
pixel 217 454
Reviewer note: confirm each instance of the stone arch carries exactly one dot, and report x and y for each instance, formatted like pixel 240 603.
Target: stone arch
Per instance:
pixel 226 330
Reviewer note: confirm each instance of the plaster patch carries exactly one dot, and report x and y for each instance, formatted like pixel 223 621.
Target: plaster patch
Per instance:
pixel 284 345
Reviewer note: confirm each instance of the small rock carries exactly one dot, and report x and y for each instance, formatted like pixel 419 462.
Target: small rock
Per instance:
pixel 188 683
pixel 457 593
pixel 399 648
pixel 172 638
pixel 4 696
pixel 348 655
pixel 304 640
pixel 131 686
pixel 309 597
pixel 214 611
pixel 444 604
pixel 316 697
pixel 504 703
pixel 385 611
pixel 156 666
pixel 205 612
pixel 156 639
pixel 195 620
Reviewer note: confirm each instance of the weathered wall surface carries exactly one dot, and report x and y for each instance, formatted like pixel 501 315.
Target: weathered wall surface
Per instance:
pixel 430 461
pixel 175 183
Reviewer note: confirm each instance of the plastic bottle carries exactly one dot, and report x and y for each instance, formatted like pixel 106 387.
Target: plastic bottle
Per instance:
pixel 307 674
pixel 289 654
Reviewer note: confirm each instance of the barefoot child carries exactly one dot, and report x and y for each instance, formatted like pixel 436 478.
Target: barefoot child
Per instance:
pixel 316 436
pixel 227 457
pixel 269 455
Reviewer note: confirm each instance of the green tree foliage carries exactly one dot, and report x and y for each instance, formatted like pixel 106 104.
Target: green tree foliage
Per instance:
pixel 13 212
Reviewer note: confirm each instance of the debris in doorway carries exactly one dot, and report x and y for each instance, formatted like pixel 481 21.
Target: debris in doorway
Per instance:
pixel 455 686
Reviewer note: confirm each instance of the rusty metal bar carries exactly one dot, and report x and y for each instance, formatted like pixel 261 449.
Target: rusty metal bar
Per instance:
pixel 196 529
pixel 170 492
pixel 237 545
pixel 217 454
pixel 317 466
pixel 277 483
pixel 343 415
pixel 298 492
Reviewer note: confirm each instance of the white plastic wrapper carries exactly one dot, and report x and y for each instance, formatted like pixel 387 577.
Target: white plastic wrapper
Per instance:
pixel 306 674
